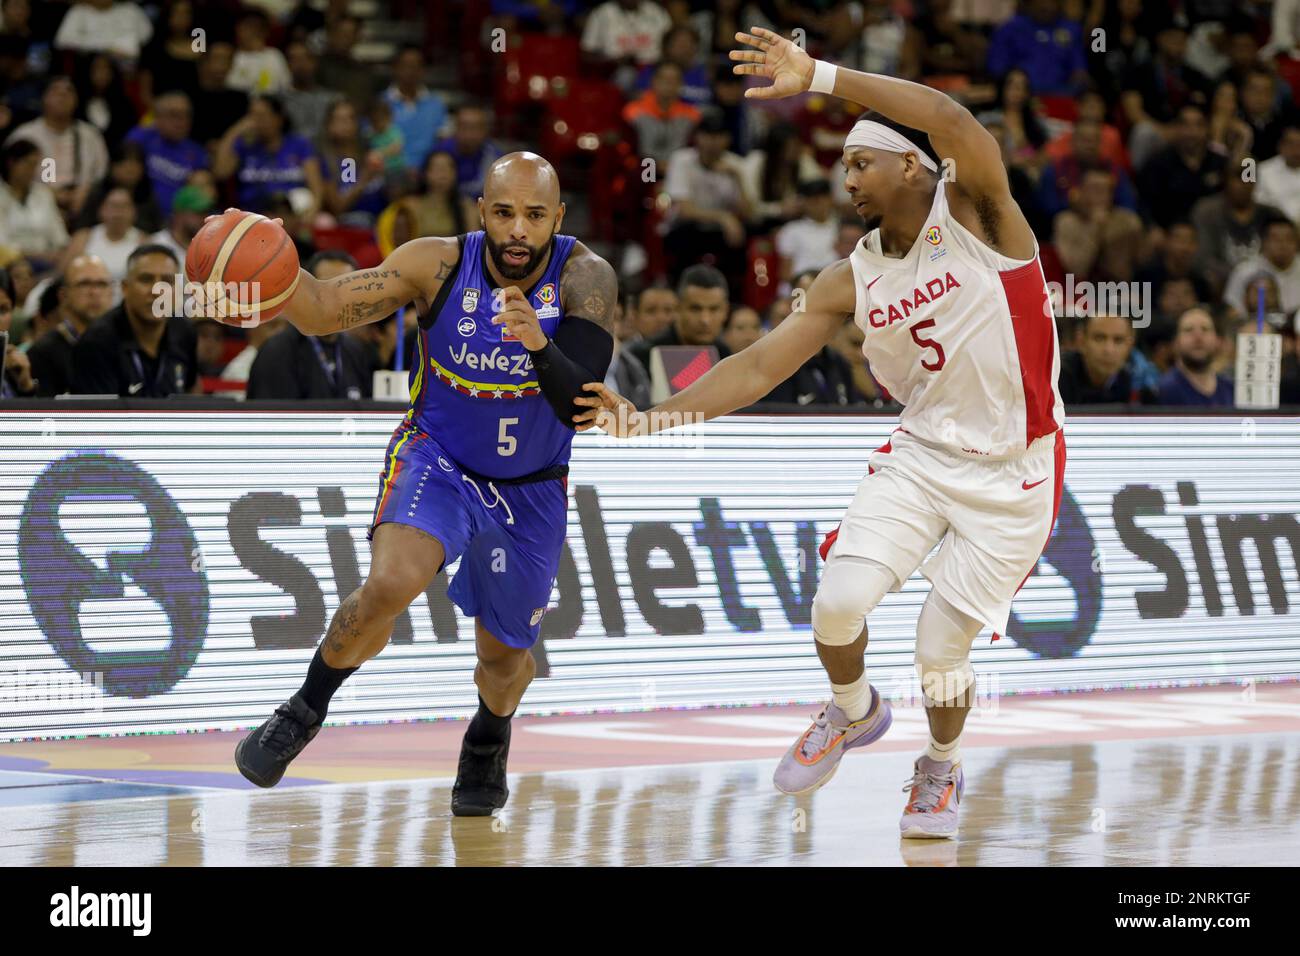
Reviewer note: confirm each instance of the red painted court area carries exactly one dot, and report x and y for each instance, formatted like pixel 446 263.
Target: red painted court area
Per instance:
pixel 409 751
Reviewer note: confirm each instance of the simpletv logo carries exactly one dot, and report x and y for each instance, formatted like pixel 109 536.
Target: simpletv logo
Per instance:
pixel 96 531
pixel 74 909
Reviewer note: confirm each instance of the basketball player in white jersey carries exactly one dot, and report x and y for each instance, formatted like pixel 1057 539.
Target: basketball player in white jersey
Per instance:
pixel 949 293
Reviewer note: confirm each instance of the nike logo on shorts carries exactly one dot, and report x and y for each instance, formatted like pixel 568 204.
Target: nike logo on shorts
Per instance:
pixel 1027 485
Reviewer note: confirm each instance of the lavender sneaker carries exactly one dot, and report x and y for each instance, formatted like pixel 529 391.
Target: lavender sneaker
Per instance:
pixel 931 811
pixel 815 756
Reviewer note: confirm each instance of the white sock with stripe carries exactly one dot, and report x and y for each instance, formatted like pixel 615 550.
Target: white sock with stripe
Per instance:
pixel 941 752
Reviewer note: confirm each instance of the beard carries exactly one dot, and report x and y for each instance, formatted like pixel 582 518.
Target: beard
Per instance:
pixel 508 271
pixel 872 222
pixel 1198 363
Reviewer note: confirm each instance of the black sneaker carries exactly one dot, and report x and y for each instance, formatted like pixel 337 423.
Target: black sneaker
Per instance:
pixel 480 784
pixel 264 754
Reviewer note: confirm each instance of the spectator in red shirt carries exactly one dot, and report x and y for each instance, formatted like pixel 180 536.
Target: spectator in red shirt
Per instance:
pixel 823 124
pixel 1092 108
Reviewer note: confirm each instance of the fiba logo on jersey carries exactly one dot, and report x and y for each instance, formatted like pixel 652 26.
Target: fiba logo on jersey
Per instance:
pixel 546 296
pixel 466 326
pixel 934 237
pixel 469 300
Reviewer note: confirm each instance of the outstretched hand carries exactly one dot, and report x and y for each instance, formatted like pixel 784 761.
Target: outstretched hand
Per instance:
pixel 609 411
pixel 788 67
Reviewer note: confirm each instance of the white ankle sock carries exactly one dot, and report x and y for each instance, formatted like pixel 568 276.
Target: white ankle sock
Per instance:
pixel 854 698
pixel 941 752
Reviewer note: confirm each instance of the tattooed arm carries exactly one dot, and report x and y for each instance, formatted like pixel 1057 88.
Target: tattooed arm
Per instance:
pixel 583 344
pixel 414 270
pixel 589 288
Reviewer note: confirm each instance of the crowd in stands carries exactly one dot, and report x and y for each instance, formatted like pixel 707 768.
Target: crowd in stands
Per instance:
pixel 1150 143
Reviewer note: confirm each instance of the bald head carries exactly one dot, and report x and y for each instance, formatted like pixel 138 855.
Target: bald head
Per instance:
pixel 523 172
pixel 521 211
pixel 89 287
pixel 84 266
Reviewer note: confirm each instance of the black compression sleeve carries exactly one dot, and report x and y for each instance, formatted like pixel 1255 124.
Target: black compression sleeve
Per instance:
pixel 580 352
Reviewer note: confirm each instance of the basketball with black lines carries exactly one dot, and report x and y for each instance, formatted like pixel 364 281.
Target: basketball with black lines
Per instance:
pixel 242 269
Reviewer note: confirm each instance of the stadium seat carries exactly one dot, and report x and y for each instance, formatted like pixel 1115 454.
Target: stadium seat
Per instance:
pixel 762 274
pixel 1289 70
pixel 384 229
pixel 212 385
pixel 1060 107
pixel 230 347
pixel 532 67
pixel 578 119
pixel 357 242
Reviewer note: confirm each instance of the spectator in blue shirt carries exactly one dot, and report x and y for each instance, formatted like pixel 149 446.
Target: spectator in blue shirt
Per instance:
pixel 352 176
pixel 681 45
pixel 169 154
pixel 536 14
pixel 266 158
pixel 1043 43
pixel 471 148
pixel 417 111
pixel 1192 379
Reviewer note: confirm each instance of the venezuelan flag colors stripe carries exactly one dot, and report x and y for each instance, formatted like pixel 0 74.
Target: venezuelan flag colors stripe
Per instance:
pixel 482 389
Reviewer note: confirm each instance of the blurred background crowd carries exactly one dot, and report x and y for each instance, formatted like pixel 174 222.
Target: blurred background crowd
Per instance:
pixel 1150 143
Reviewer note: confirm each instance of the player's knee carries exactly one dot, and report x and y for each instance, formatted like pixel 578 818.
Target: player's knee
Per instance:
pixel 837 618
pixel 850 589
pixel 506 670
pixel 943 640
pixel 389 595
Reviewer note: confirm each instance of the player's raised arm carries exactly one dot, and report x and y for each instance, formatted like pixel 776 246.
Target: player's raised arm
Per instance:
pixel 743 378
pixel 957 136
pixel 414 270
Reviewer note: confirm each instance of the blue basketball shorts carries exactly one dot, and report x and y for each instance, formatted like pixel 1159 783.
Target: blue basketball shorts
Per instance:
pixel 509 537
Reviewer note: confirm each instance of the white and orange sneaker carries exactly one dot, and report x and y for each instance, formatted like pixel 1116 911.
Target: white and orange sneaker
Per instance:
pixel 935 799
pixel 816 755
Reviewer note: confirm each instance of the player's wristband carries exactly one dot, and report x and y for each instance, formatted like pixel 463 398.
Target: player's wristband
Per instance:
pixel 823 78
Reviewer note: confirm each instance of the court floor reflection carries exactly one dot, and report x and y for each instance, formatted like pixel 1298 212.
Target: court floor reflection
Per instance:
pixel 1205 801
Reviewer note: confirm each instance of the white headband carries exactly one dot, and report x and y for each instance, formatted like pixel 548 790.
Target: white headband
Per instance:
pixel 875 135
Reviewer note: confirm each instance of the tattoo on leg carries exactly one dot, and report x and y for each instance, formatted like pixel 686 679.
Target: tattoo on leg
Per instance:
pixel 343 628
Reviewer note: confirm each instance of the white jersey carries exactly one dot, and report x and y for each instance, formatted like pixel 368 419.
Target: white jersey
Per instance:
pixel 962 337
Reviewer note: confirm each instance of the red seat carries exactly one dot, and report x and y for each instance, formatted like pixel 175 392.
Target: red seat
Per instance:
pixel 762 274
pixel 533 67
pixel 357 242
pixel 580 118
pixel 230 347
pixel 212 385
pixel 1289 70
pixel 1060 107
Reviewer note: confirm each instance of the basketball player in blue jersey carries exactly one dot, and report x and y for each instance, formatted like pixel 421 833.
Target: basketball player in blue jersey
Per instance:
pixel 513 319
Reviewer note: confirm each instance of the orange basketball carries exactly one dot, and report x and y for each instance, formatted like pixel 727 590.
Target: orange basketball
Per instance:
pixel 243 269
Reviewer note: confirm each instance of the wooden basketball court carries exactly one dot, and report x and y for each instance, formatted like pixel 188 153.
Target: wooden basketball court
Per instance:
pixel 1200 777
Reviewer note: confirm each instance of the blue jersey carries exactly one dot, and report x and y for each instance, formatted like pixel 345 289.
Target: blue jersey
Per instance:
pixel 474 390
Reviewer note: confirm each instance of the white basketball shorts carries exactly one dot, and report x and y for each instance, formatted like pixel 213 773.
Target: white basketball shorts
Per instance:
pixel 991 519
